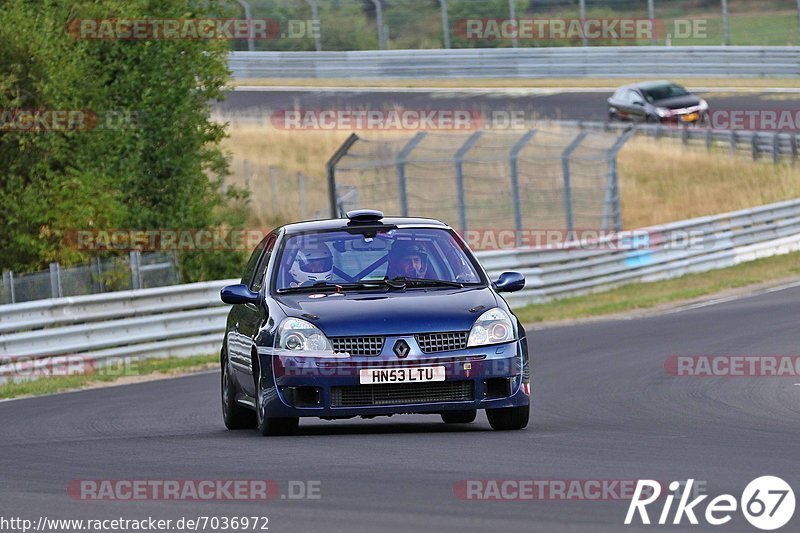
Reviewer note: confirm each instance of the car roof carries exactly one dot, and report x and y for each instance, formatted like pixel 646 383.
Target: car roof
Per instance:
pixel 341 223
pixel 648 84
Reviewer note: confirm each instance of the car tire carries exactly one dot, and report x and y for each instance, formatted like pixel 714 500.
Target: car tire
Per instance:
pixel 234 415
pixel 508 418
pixel 273 426
pixel 459 417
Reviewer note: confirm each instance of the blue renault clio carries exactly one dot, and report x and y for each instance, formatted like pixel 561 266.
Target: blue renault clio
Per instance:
pixel 370 316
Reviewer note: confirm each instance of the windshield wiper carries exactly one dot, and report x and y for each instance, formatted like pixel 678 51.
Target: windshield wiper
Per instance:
pixel 420 282
pixel 326 285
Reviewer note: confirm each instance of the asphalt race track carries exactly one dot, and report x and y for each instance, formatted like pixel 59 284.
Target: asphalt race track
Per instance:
pixel 535 104
pixel 604 408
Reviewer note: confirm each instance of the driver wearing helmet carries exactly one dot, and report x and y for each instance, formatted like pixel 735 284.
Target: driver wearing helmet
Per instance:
pixel 407 259
pixel 311 265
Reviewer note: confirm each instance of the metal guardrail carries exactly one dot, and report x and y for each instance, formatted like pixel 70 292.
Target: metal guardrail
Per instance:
pixel 190 319
pixel 552 62
pixel 774 145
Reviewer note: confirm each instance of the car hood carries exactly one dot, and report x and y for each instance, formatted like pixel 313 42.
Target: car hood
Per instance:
pixel 678 102
pixel 391 313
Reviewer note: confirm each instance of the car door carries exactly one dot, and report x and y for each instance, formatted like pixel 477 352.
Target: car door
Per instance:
pixel 237 347
pixel 636 106
pixel 253 316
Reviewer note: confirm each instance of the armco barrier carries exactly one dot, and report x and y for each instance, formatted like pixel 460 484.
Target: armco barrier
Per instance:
pixel 548 62
pixel 190 319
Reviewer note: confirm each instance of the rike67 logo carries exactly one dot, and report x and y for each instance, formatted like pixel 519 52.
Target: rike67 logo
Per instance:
pixel 767 503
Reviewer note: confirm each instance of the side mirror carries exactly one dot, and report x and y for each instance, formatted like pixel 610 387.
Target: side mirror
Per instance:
pixel 510 282
pixel 238 294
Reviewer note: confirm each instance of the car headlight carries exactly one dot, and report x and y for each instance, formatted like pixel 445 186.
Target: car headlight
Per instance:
pixel 662 112
pixel 703 105
pixel 302 336
pixel 492 327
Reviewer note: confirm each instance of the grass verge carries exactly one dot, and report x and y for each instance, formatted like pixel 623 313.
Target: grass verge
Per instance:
pixel 133 371
pixel 651 295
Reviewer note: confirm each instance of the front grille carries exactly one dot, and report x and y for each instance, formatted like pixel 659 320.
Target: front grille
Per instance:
pixel 402 393
pixel 442 342
pixel 358 345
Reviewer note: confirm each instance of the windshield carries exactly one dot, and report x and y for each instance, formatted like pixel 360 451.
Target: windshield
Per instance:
pixel 661 92
pixel 335 257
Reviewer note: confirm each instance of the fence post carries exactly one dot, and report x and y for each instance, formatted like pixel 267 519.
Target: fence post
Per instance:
pixel 98 272
pixel 733 142
pixel 611 206
pixel 400 166
pixel 512 14
pixel 136 273
pixel 301 188
pixel 582 10
pixel 248 14
pixel 8 281
pixel 513 160
pixel 55 280
pixel 754 145
pixel 459 160
pixel 685 134
pixel 565 169
pixel 445 24
pixel 793 142
pixel 726 27
pixel 315 19
pixel 273 187
pixel 709 138
pixel 379 23
pixel 651 14
pixel 776 148
pixel 330 170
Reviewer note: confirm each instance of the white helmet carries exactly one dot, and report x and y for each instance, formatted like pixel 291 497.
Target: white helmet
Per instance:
pixel 314 264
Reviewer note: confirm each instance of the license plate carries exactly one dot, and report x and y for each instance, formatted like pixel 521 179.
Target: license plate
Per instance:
pixel 369 376
pixel 691 117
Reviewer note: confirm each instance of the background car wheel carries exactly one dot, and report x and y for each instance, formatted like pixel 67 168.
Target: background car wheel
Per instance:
pixel 459 417
pixel 508 418
pixel 234 415
pixel 272 426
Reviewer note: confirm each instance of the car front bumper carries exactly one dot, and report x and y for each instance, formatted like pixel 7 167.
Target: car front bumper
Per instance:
pixel 476 378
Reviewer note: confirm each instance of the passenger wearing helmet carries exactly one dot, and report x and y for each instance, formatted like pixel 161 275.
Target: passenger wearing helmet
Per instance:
pixel 312 265
pixel 407 259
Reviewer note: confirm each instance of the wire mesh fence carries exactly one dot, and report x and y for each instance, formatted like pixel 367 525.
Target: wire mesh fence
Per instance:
pixel 135 271
pixel 414 24
pixel 277 194
pixel 560 178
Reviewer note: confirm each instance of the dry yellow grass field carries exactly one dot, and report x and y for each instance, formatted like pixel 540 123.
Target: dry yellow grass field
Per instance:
pixel 660 181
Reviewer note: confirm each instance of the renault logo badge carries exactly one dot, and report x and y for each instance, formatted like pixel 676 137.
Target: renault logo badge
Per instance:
pixel 401 348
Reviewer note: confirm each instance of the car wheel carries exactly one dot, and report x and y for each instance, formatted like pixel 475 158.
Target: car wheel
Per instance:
pixel 508 418
pixel 273 426
pixel 459 417
pixel 234 415
pixel 652 120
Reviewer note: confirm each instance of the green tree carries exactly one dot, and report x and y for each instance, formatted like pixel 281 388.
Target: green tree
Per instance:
pixel 152 159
